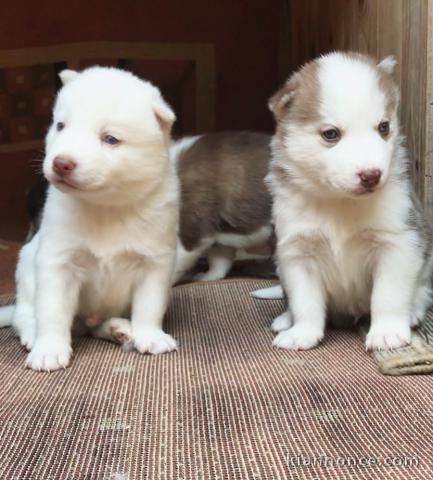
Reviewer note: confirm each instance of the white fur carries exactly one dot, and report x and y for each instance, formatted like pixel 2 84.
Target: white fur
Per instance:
pixel 6 314
pixel 186 259
pixel 269 293
pixel 388 64
pixel 282 322
pixel 221 251
pixel 220 260
pixel 106 246
pixel 259 237
pixel 178 146
pixel 115 329
pixel 338 250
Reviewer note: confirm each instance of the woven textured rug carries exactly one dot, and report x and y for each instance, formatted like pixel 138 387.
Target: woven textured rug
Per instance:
pixel 415 358
pixel 225 406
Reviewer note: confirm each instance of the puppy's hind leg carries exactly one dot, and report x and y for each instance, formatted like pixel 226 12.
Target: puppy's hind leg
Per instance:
pixel 423 297
pixel 422 301
pixel 24 323
pixel 186 260
pixel 24 319
pixel 118 330
pixel 6 314
pixel 220 259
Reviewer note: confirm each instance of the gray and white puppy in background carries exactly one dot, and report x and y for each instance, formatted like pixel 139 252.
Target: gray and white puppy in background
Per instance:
pixel 351 234
pixel 225 205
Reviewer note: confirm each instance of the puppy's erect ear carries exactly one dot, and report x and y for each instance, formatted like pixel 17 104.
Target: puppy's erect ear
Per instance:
pixel 388 64
pixel 281 100
pixel 164 114
pixel 67 76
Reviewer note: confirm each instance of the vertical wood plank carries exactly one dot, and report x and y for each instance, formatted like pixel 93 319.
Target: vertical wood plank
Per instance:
pixel 428 173
pixel 365 27
pixel 285 47
pixel 414 84
pixel 390 32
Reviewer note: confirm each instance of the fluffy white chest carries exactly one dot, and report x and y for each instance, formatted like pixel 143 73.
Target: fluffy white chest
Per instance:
pixel 108 284
pixel 109 250
pixel 346 263
pixel 112 262
pixel 344 245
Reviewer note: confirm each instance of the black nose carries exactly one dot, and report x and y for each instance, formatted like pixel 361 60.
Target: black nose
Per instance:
pixel 370 178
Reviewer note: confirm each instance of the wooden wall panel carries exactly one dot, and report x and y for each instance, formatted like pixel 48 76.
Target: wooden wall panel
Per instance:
pixel 428 173
pixel 389 31
pixel 414 85
pixel 380 28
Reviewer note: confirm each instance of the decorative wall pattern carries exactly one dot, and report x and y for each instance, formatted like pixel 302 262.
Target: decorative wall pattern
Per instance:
pixel 26 97
pixel 29 82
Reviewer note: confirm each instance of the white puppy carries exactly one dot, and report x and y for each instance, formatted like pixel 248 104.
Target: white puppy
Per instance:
pixel 351 236
pixel 107 241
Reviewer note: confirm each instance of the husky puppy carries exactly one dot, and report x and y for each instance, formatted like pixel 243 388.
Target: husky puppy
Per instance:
pixel 225 205
pixel 351 235
pixel 107 240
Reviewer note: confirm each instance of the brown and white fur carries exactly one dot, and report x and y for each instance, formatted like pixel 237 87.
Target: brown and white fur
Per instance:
pixel 225 205
pixel 107 241
pixel 351 235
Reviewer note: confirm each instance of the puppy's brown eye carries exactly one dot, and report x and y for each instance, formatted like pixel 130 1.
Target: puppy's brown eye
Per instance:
pixel 110 139
pixel 331 135
pixel 383 128
pixel 60 126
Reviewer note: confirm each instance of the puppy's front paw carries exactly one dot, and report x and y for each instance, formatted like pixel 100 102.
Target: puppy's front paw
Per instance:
pixel 282 322
pixel 154 341
pixel 49 354
pixel 299 337
pixel 388 336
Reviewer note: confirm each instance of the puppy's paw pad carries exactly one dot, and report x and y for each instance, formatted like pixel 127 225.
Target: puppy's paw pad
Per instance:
pixel 154 341
pixel 282 322
pixel 49 356
pixel 387 338
pixel 120 330
pixel 298 338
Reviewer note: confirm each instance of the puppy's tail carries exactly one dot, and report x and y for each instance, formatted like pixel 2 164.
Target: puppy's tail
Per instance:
pixel 6 314
pixel 269 293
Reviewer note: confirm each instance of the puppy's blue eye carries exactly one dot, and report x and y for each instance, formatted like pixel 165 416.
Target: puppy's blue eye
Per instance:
pixel 331 135
pixel 60 126
pixel 110 139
